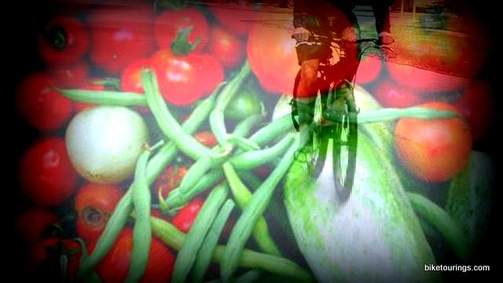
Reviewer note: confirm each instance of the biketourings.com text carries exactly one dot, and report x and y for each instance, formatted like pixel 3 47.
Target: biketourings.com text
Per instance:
pixel 456 267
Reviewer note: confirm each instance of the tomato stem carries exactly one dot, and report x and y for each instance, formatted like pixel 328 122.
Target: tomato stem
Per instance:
pixel 57 37
pixel 181 44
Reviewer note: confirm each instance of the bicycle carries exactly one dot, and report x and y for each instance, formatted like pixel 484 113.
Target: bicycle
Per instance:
pixel 339 117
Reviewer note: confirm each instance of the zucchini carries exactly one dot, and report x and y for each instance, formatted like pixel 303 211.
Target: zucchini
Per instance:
pixel 372 236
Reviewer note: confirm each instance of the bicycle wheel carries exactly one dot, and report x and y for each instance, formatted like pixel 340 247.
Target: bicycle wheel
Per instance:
pixel 344 147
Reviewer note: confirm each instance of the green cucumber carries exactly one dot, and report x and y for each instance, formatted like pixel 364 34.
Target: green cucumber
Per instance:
pixel 373 236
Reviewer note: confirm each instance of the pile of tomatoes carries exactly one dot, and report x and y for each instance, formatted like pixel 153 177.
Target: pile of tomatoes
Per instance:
pixel 192 50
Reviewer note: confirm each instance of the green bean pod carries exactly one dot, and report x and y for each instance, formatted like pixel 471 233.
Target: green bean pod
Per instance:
pixel 192 243
pixel 167 233
pixel 253 159
pixel 389 114
pixel 167 123
pixel 142 233
pixel 442 221
pixel 105 97
pixel 252 212
pixel 273 130
pixel 242 195
pixel 155 166
pixel 203 259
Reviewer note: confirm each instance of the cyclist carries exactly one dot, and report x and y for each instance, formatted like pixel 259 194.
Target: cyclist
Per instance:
pixel 318 23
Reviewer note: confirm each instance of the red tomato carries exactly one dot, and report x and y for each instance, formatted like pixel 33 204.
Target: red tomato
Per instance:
pixel 41 105
pixel 119 37
pixel 389 94
pixel 184 219
pixel 114 267
pixel 272 57
pixel 70 76
pixel 368 70
pixel 47 176
pixel 89 85
pixel 64 40
pixel 131 76
pixel 185 79
pixel 226 47
pixel 171 22
pixel 33 223
pixel 169 180
pixel 433 150
pixel 94 203
pixel 238 19
pixel 206 138
pixel 476 105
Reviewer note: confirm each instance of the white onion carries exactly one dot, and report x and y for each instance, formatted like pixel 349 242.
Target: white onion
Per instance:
pixel 104 143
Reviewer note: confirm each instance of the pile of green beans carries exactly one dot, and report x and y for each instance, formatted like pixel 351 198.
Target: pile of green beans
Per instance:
pixel 225 164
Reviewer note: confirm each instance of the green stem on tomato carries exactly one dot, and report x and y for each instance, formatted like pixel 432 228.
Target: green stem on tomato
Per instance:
pixel 442 221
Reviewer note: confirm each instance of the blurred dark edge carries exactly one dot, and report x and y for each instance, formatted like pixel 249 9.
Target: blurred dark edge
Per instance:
pixel 23 18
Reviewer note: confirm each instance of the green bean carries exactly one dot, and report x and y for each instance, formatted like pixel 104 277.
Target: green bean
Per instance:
pixel 176 198
pixel 249 277
pixel 217 120
pixel 167 123
pixel 442 221
pixel 251 213
pixel 388 114
pixel 172 237
pixel 192 243
pixel 204 256
pixel 242 143
pixel 142 233
pixel 242 195
pixel 253 159
pixel 155 166
pixel 105 97
pixel 245 126
pixel 273 130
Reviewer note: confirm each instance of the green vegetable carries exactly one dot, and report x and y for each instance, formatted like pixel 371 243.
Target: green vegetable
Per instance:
pixel 372 236
pixel 194 240
pixel 469 198
pixel 102 97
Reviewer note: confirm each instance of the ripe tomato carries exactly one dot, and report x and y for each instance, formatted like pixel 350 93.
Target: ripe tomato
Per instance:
pixel 433 150
pixel 169 179
pixel 47 176
pixel 119 37
pixel 206 138
pixel 34 222
pixel 64 41
pixel 94 203
pixel 171 22
pixel 184 219
pixel 47 253
pixel 226 47
pixel 272 57
pixel 185 79
pixel 238 19
pixel 114 267
pixel 40 104
pixel 131 76
pixel 390 94
pixel 423 80
pixel 70 76
pixel 476 105
pixel 368 70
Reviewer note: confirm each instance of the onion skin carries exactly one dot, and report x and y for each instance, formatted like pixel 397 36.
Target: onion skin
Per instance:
pixel 104 143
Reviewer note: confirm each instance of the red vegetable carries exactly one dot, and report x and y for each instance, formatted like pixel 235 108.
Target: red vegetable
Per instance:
pixel 184 219
pixel 131 76
pixel 238 19
pixel 114 267
pixel 40 104
pixel 433 150
pixel 94 204
pixel 33 223
pixel 207 138
pixel 368 70
pixel 226 47
pixel 119 37
pixel 168 25
pixel 169 179
pixel 390 94
pixel 47 176
pixel 70 76
pixel 64 41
